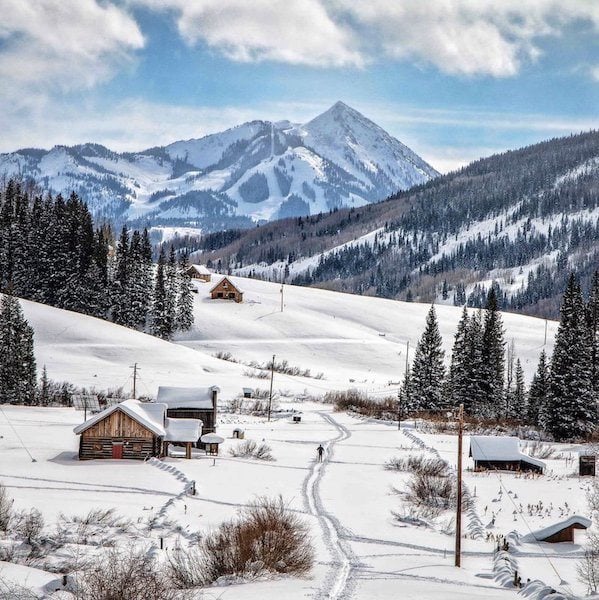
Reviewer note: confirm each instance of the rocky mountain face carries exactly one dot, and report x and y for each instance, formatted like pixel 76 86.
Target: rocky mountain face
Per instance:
pixel 255 172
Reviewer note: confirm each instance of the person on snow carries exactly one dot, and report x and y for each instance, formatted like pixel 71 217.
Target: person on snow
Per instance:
pixel 320 451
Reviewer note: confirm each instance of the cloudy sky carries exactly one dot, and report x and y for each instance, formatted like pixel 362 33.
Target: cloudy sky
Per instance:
pixel 453 79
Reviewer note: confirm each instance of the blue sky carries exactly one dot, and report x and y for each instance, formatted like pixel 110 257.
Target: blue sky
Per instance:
pixel 453 79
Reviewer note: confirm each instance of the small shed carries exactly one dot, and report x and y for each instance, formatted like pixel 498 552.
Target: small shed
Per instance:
pixel 586 464
pixel 238 433
pixel 182 432
pixel 225 289
pixel 560 532
pixel 501 453
pixel 211 442
pixel 199 272
pixel 248 392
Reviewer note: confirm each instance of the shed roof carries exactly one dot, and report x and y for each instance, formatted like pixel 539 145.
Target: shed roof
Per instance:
pixel 499 448
pixel 149 414
pixel 186 397
pixel 200 269
pixel 212 438
pixel 229 282
pixel 183 430
pixel 546 532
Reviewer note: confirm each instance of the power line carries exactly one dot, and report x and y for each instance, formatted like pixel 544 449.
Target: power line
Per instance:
pixel 17 434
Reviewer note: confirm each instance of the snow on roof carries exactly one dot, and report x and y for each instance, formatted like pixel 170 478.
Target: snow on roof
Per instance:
pixel 229 282
pixel 201 269
pixel 212 438
pixel 183 430
pixel 543 534
pixel 184 397
pixel 149 414
pixel 492 447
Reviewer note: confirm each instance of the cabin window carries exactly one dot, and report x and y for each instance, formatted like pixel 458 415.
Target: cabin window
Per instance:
pixel 231 295
pixel 97 447
pixel 136 447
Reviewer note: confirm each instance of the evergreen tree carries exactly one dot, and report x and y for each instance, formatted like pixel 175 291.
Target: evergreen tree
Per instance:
pixel 171 283
pixel 121 307
pixel 457 383
pixel 538 393
pixel 17 360
pixel 184 319
pixel 406 398
pixel 43 394
pixel 516 408
pixel 428 369
pixel 571 410
pixel 493 355
pixel 475 368
pixel 160 324
pixel 593 324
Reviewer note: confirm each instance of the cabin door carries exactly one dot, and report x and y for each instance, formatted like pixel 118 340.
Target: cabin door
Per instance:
pixel 117 451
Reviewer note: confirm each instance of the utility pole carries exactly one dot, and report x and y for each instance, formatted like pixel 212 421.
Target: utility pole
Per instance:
pixel 458 516
pixel 272 376
pixel 134 367
pixel 282 297
pixel 545 340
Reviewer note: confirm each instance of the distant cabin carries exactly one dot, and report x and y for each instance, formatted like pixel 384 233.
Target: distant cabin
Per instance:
pixel 501 453
pixel 225 289
pixel 134 430
pixel 199 272
pixel 198 403
pixel 559 532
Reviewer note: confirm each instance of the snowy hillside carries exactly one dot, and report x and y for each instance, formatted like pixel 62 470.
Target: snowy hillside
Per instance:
pixel 253 172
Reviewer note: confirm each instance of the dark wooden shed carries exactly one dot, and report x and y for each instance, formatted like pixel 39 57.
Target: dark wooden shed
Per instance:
pixel 501 453
pixel 225 289
pixel 560 532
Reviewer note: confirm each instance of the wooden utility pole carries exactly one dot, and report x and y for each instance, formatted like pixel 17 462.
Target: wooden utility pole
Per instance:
pixel 134 367
pixel 272 376
pixel 458 516
pixel 282 297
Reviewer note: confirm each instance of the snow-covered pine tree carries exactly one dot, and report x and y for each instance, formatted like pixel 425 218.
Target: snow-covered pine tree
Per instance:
pixel 406 399
pixel 457 392
pixel 428 369
pixel 593 323
pixel 184 319
pixel 17 360
pixel 43 389
pixel 571 411
pixel 160 324
pixel 147 270
pixel 493 359
pixel 539 393
pixel 518 410
pixel 171 283
pixel 121 298
pixel 136 288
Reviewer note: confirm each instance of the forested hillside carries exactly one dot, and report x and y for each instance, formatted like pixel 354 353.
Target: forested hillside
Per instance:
pixel 519 221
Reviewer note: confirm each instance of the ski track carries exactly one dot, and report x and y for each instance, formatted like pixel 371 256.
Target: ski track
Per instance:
pixel 344 560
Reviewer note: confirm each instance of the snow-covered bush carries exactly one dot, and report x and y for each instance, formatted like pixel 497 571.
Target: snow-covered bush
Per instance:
pixel 435 493
pixel 265 533
pixel 540 450
pixel 6 509
pixel 29 525
pixel 15 591
pixel 588 567
pixel 355 401
pixel 186 567
pixel 251 449
pixel 418 464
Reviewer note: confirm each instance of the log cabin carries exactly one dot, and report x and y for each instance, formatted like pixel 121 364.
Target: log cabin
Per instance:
pixel 199 272
pixel 224 289
pixel 501 453
pixel 134 430
pixel 198 403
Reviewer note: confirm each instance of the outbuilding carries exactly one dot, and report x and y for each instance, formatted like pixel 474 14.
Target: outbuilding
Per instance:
pixel 199 272
pixel 198 403
pixel 225 289
pixel 501 453
pixel 559 532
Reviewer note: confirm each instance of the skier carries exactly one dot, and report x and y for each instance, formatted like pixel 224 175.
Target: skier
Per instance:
pixel 320 451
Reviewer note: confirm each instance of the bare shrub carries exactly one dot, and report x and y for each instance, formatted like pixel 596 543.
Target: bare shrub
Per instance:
pixel 358 402
pixel 6 509
pixel 126 574
pixel 251 449
pixel 258 374
pixel 418 464
pixel 588 567
pixel 225 356
pixel 29 525
pixel 266 536
pixel 436 493
pixel 15 591
pixel 540 450
pixel 186 568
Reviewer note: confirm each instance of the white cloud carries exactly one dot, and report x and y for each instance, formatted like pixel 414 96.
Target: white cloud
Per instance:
pixel 299 32
pixel 595 72
pixel 63 44
pixel 466 37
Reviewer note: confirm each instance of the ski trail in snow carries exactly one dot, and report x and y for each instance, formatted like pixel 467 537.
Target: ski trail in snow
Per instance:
pixel 344 560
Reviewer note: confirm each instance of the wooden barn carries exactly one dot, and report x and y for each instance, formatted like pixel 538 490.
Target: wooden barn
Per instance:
pixel 560 532
pixel 134 430
pixel 191 403
pixel 226 290
pixel 501 453
pixel 199 272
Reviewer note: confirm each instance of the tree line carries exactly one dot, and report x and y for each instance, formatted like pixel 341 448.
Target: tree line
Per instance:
pixel 51 252
pixel 562 399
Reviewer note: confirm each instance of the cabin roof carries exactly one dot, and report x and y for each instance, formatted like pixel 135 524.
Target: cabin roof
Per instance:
pixel 183 430
pixel 200 269
pixel 187 397
pixel 229 282
pixel 546 532
pixel 500 448
pixel 148 414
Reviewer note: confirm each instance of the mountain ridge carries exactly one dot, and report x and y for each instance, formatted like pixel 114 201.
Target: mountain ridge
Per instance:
pixel 251 173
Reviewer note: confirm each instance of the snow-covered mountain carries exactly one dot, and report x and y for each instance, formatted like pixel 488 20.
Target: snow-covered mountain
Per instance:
pixel 257 171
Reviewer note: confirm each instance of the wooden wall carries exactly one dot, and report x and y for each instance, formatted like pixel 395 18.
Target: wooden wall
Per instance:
pixel 118 424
